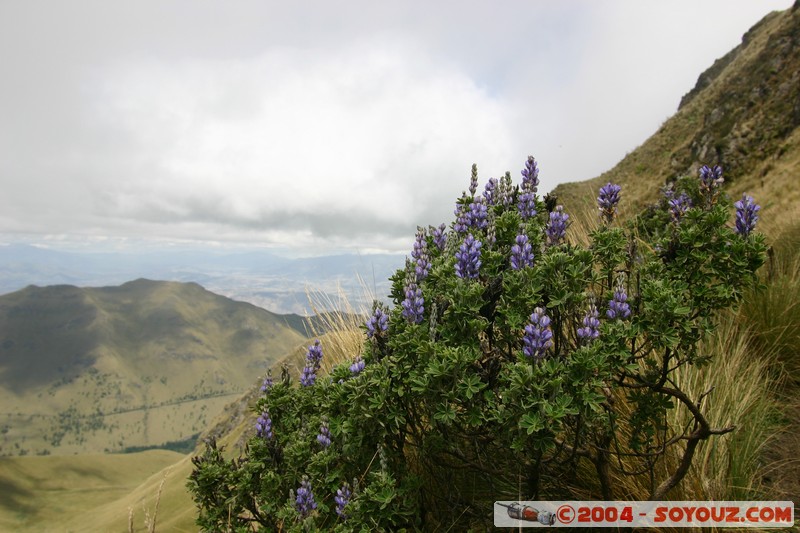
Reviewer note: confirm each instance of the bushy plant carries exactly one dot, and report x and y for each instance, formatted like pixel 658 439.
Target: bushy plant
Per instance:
pixel 513 365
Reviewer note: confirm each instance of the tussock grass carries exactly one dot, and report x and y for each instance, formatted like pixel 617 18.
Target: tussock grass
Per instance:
pixel 339 322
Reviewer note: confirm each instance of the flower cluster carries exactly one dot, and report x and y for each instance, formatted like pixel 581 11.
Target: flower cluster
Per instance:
pixel 591 325
pixel 313 361
pixel 710 182
pixel 521 253
pixel 468 258
pixel 608 200
pixel 378 323
pixel 538 335
pixel 530 176
pixel 358 365
pixel 618 306
pixel 746 215
pixel 324 437
pixel 527 205
pixel 678 205
pixel 462 222
pixel 413 305
pixel 478 212
pixel 342 498
pixel 489 193
pixel 304 503
pixel 439 237
pixel 268 383
pixel 557 226
pixel 422 263
pixel 264 425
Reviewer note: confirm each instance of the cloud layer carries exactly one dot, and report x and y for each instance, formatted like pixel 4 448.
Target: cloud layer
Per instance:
pixel 319 127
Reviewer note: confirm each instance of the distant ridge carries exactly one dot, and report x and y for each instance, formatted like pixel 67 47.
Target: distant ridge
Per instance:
pixel 136 365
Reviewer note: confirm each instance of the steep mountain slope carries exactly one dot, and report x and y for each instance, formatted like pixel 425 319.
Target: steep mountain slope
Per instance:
pixel 142 364
pixel 743 114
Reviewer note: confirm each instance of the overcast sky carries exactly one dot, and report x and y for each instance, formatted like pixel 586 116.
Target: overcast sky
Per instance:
pixel 322 126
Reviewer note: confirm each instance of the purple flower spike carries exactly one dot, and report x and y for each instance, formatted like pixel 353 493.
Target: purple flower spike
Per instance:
pixel 678 205
pixel 710 181
pixel 462 219
pixel 324 437
pixel 413 305
pixel 521 253
pixel 264 426
pixel 477 214
pixel 618 306
pixel 608 200
pixel 591 325
pixel 746 215
pixel 440 237
pixel 309 376
pixel 527 205
pixel 557 226
pixel 538 335
pixel 314 355
pixel 304 503
pixel 468 258
pixel 342 498
pixel 530 176
pixel 378 323
pixel 489 191
pixel 267 384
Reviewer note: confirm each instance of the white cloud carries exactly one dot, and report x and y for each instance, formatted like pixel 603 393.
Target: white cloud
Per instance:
pixel 374 133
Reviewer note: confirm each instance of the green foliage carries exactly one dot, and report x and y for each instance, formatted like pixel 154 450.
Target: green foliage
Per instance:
pixel 450 414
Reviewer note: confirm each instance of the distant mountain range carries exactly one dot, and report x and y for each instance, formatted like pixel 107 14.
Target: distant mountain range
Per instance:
pixel 143 364
pixel 276 283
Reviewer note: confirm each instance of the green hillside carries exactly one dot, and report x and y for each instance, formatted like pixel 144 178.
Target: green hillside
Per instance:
pixel 86 370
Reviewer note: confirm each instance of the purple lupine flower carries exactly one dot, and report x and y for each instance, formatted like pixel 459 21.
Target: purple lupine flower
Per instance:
pixel 473 181
pixel 439 237
pixel 618 306
pixel 419 244
pixel 342 498
pixel 324 437
pixel 678 205
pixel 477 214
pixel 557 226
pixel 264 425
pixel 591 325
pixel 268 383
pixel 746 215
pixel 468 258
pixel 462 219
pixel 538 335
pixel 608 200
pixel 357 366
pixel 710 181
pixel 521 253
pixel 378 323
pixel 422 267
pixel 489 191
pixel 309 375
pixel 413 305
pixel 314 355
pixel 530 176
pixel 304 503
pixel 527 205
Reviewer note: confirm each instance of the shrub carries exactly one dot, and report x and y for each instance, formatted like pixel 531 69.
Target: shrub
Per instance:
pixel 513 365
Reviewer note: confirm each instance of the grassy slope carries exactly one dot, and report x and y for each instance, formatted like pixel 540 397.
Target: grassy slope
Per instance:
pixel 90 370
pixel 740 120
pixel 41 493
